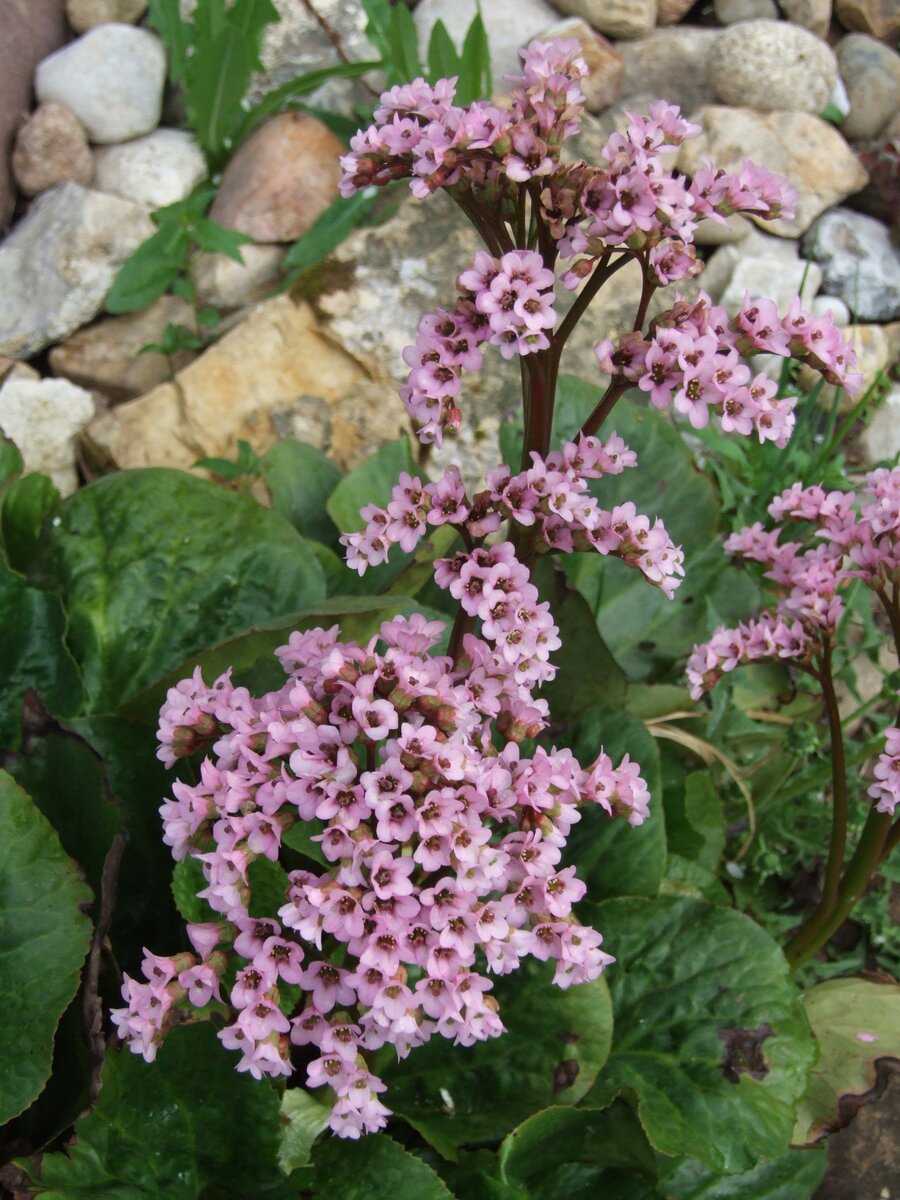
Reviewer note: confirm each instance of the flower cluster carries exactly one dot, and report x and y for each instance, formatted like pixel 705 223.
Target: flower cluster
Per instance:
pixel 441 844
pixel 507 302
pixel 552 497
pixel 691 361
pixel 849 540
pixel 886 789
pixel 420 134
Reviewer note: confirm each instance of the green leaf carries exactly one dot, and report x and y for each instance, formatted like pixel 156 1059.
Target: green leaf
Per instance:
pixel 11 463
pixel 327 232
pixel 165 17
pixel 44 937
pixel 443 59
pixel 475 81
pixel 150 271
pixel 65 779
pixel 556 1042
pixel 535 1152
pixel 374 1168
pixel 856 1022
pixel 300 479
pixel 370 483
pixel 27 503
pixel 33 654
pixel 299 838
pixel 587 674
pixel 256 646
pixel 699 834
pixel 217 74
pixel 155 564
pixel 301 85
pixel 403 41
pixel 794 1176
pixel 685 877
pixel 710 1035
pixel 303 1118
pixel 187 881
pixel 183 1127
pixel 613 857
pixel 216 239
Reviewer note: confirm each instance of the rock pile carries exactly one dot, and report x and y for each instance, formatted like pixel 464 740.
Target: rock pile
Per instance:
pixel 809 90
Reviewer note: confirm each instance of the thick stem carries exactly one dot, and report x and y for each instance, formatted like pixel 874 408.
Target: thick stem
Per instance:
pixel 863 865
pixel 607 403
pixel 462 625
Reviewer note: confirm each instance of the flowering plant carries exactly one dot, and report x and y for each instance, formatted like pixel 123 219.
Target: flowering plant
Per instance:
pixel 407 767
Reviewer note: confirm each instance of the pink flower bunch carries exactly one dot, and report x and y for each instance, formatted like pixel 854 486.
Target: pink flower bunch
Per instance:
pixel 552 496
pixel 505 301
pixel 420 134
pixel 886 789
pixel 444 844
pixel 850 539
pixel 691 361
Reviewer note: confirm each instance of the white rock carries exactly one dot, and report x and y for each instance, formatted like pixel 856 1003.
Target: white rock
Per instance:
pixel 822 305
pixel 156 170
pixel 111 78
pixel 509 24
pixel 617 18
pixel 764 266
pixel 772 66
pixel 859 262
pixel 42 417
pixel 58 263
pixel 224 283
pixel 881 437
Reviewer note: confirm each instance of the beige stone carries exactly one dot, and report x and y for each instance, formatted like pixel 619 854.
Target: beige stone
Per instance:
pixel 224 283
pixel 51 147
pixel 617 18
pixel 814 15
pixel 275 372
pixel 670 64
pixel 808 152
pixel 880 440
pixel 874 347
pixel 871 74
pixel 107 357
pixel 771 66
pixel 881 18
pixel 606 68
pixel 85 14
pixel 282 178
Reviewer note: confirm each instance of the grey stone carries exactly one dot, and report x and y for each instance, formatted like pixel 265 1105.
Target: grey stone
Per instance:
pixel 808 152
pixel 670 64
pixel 510 24
pixel 859 263
pixel 111 78
pixel 772 66
pixel 871 74
pixel 731 12
pixel 617 18
pixel 155 170
pixel 822 305
pixel 224 283
pixel 814 15
pixel 42 418
pixel 763 266
pixel 58 263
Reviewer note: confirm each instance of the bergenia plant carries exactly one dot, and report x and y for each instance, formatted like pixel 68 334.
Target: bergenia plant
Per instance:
pixel 411 761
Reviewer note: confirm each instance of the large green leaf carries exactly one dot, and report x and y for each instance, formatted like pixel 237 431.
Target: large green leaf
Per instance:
pixel 44 937
pixel 856 1023
pixel 33 654
pixel 613 857
pixel 710 1034
pixel 556 1042
pixel 374 1168
pixel 554 1140
pixel 27 503
pixel 184 1127
pixel 303 1118
pixel 300 479
pixel 794 1176
pixel 646 629
pixel 587 675
pixel 155 564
